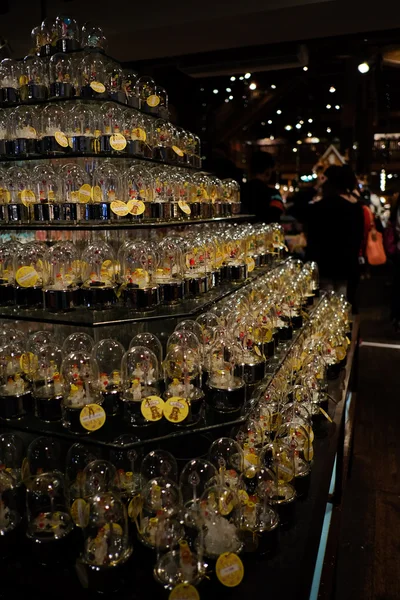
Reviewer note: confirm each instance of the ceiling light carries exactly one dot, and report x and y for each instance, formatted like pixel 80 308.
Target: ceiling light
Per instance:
pixel 332 89
pixel 269 122
pixel 253 86
pixel 337 106
pixel 328 130
pixel 273 87
pixel 228 89
pixel 328 106
pixel 271 137
pixel 247 76
pixel 279 112
pixel 294 149
pixel 299 142
pixel 288 127
pixel 305 68
pixel 230 97
pixel 298 125
pixel 363 67
pixel 233 78
pixel 310 120
pixel 215 91
pixel 262 123
pixel 309 134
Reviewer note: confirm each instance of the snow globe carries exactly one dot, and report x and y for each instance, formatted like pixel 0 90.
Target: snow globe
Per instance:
pixel 139 291
pixel 47 384
pixel 111 128
pixel 24 131
pixel 46 189
pixel 75 192
pixel 53 140
pixel 33 79
pixel 231 195
pixel 169 271
pixel 66 34
pixel 184 396
pixel 9 81
pixel 158 522
pixel 94 76
pixel 15 392
pixel 129 79
pixel 80 376
pixel 139 183
pixel 98 290
pixel 78 458
pixel 28 275
pixel 140 396
pixel 78 342
pixel 145 91
pixel 226 392
pixel 159 463
pixel 196 476
pixel 126 459
pixel 61 78
pixel 195 262
pixel 7 252
pixel 275 477
pixel 163 134
pixel 50 526
pixel 80 128
pixel 108 354
pixel 10 517
pixel 60 277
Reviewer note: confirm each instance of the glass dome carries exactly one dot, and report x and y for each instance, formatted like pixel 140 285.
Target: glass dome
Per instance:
pixel 80 127
pixel 12 453
pixel 226 388
pixel 227 456
pixel 127 463
pixel 140 378
pixel 61 278
pixel 45 185
pixel 74 184
pixel 159 463
pixel 98 477
pixel 78 457
pixel 80 376
pixel 44 456
pixel 106 532
pixel 7 253
pixel 169 271
pixel 145 89
pixel 163 136
pixel 150 341
pixel 107 183
pixel 137 269
pixel 24 127
pixel 61 76
pixel 92 36
pixel 195 477
pixel 111 126
pixel 47 512
pixel 52 128
pixel 218 506
pixel 98 276
pixel 66 33
pixel 33 79
pixel 78 342
pixel 15 369
pixel 10 71
pixel 47 383
pixel 129 86
pixel 108 354
pixel 28 274
pixel 94 76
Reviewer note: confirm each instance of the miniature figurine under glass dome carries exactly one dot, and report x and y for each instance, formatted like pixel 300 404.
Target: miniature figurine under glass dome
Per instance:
pixel 107 547
pixel 183 394
pixel 159 463
pixel 12 453
pixel 5 144
pixel 94 76
pixel 75 191
pixel 80 128
pixel 53 141
pixel 231 194
pixel 145 91
pixel 61 78
pixel 163 141
pixel 47 204
pixel 275 477
pixel 60 280
pixel 50 526
pixel 139 292
pixel 24 127
pixel 78 458
pixel 67 34
pixel 111 125
pixel 181 566
pixel 140 184
pixel 9 81
pixel 92 36
pixel 33 79
pixel 15 393
pixel 28 275
pixel 80 376
pixel 150 341
pixel 47 384
pixel 140 376
pixel 169 271
pixel 252 364
pixel 195 261
pixel 99 286
pixel 196 476
pixel 158 525
pixel 7 253
pixel 10 517
pixel 78 342
pixel 107 194
pixel 126 460
pixel 226 391
pixel 108 354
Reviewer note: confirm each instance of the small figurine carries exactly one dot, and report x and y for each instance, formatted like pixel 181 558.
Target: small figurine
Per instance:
pixel 136 390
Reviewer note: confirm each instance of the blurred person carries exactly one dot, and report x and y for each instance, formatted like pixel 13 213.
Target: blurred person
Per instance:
pixel 392 249
pixel 261 197
pixel 300 201
pixel 336 232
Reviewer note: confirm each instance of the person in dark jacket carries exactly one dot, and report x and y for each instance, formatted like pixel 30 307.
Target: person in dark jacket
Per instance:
pixel 261 197
pixel 335 232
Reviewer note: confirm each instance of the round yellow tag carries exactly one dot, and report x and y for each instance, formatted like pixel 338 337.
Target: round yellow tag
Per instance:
pixel 119 208
pixel 26 277
pixel 85 193
pixel 152 408
pixel 137 207
pixel 153 100
pixel 29 132
pixel 98 87
pixel 92 417
pixel 80 512
pixel 117 141
pixel 97 194
pixel 229 569
pixel 138 134
pixel 267 335
pixel 184 206
pixel 243 496
pixel 184 591
pixel 135 506
pixel 176 409
pixel 178 151
pixel 308 451
pixel 28 197
pixel 5 197
pixel 340 353
pixel 250 263
pixel 61 139
pixel 28 362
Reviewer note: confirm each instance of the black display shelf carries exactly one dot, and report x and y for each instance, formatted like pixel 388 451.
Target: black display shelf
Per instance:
pixel 118 225
pixel 113 155
pixel 85 317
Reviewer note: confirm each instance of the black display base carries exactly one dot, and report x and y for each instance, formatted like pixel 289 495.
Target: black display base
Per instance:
pixel 60 89
pixel 225 401
pixel 32 91
pixel 9 95
pixel 61 300
pixel 196 286
pixel 67 45
pixel 251 373
pixel 52 212
pixel 48 409
pixel 82 144
pixel 49 145
pixel 171 293
pixel 104 580
pixel 98 297
pixel 7 296
pixel 141 298
pixel 52 552
pixel 17 213
pixel 31 297
pixel 71 420
pixel 236 273
pixel 24 147
pixel 14 407
pixel 111 402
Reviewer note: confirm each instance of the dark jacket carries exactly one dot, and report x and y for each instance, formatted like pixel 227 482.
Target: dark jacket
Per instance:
pixel 335 235
pixel 263 201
